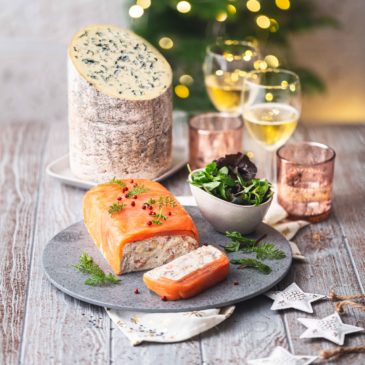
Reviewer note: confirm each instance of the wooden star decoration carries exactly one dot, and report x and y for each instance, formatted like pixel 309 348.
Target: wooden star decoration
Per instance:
pixel 293 297
pixel 331 328
pixel 280 356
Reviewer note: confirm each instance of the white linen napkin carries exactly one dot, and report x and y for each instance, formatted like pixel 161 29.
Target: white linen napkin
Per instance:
pixel 174 327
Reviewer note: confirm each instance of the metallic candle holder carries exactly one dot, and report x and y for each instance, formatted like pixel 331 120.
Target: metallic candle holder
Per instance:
pixel 213 135
pixel 305 179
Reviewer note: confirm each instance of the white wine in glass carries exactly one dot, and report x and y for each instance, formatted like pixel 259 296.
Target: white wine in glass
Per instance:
pixel 271 124
pixel 271 102
pixel 226 64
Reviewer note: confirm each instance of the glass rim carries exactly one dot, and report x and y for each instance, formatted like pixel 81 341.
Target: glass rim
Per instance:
pixel 272 70
pixel 214 114
pixel 237 42
pixel 307 143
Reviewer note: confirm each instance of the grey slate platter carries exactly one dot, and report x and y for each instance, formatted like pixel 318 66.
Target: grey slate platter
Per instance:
pixel 64 250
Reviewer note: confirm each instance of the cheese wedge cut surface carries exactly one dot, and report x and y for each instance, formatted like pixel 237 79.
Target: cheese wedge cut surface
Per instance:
pixel 188 275
pixel 119 63
pixel 131 239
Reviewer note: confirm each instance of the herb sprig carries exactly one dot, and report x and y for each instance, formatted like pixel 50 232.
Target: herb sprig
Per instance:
pixel 139 189
pixel 116 208
pixel 232 178
pixel 256 264
pixel 262 249
pixel 98 277
pixel 118 182
pixel 159 217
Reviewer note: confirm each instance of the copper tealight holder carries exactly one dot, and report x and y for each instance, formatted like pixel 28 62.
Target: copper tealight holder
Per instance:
pixel 213 135
pixel 305 180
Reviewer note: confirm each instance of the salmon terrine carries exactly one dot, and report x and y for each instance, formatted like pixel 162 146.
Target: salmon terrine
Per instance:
pixel 138 224
pixel 188 275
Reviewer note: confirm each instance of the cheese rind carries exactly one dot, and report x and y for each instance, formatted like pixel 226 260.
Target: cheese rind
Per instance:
pixel 113 132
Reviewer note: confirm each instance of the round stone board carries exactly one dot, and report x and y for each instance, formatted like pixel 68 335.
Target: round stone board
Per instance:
pixel 64 250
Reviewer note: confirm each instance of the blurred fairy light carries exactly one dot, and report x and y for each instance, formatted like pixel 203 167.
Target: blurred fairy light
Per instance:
pixel 231 9
pixel 145 4
pixel 253 5
pixel 269 97
pixel 274 25
pixel 260 65
pixel 283 4
pixel 183 7
pixel 272 61
pixel 166 43
pixel 186 79
pixel 136 11
pixel 228 56
pixel 182 91
pixel 219 72
pixel 247 55
pixel 284 84
pixel 263 21
pixel 221 16
pixel 250 155
pixel 292 87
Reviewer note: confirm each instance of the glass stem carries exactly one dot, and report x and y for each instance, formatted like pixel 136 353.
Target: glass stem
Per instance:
pixel 270 167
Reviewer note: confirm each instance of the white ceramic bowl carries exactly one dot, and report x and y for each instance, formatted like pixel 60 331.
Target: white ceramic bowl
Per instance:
pixel 225 216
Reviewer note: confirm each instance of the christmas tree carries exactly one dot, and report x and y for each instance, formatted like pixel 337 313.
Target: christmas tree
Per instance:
pixel 181 30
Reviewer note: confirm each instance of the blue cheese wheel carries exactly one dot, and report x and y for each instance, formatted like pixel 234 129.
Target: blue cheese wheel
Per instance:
pixel 120 105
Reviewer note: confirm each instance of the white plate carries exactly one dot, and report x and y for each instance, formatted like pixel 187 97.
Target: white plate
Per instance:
pixel 60 169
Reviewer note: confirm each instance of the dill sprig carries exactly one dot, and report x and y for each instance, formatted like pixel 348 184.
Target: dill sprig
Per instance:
pixel 98 277
pixel 263 250
pixel 116 208
pixel 118 182
pixel 253 263
pixel 166 201
pixel 139 189
pixel 159 217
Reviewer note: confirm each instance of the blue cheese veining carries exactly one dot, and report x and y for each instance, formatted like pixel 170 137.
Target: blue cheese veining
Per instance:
pixel 119 63
pixel 120 106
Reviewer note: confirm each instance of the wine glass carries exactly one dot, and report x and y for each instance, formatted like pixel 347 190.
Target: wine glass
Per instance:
pixel 226 64
pixel 271 101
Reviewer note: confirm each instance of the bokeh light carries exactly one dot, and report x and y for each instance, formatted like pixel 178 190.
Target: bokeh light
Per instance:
pixel 283 4
pixel 183 7
pixel 269 97
pixel 182 91
pixel 221 16
pixel 166 43
pixel 263 21
pixel 144 3
pixel 136 11
pixel 231 9
pixel 274 25
pixel 253 5
pixel 272 61
pixel 186 79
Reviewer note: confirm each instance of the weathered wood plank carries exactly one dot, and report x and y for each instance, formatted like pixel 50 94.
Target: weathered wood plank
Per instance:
pixel 251 332
pixel 329 264
pixel 20 160
pixel 59 329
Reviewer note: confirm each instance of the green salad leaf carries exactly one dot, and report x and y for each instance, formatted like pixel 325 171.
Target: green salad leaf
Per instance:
pixel 234 182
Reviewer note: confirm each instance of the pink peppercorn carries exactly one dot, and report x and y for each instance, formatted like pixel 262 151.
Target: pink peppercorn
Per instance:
pixel 149 223
pixel 135 197
pixel 133 204
pixel 164 298
pixel 119 198
pixel 136 291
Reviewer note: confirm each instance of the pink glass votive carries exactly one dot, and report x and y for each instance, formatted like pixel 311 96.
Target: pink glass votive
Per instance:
pixel 305 179
pixel 213 135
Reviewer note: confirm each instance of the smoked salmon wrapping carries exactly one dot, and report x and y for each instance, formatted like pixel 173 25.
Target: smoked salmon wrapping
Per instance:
pixel 188 275
pixel 138 224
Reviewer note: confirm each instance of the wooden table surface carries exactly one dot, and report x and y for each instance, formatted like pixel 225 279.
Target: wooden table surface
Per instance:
pixel 41 325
